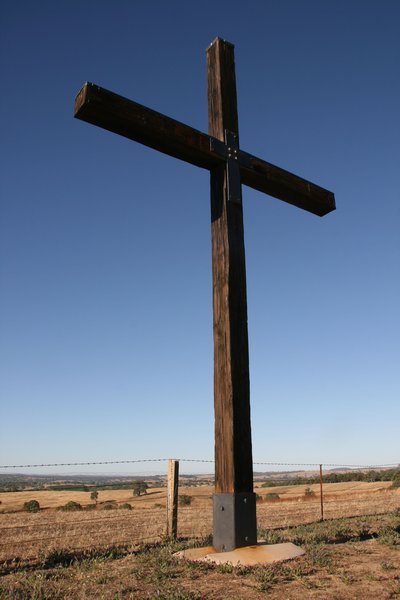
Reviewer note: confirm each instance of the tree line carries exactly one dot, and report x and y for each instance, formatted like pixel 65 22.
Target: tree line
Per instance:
pixel 370 476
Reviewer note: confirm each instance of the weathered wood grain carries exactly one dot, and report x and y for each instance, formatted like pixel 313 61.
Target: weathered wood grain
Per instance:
pixel 233 453
pixel 136 122
pixel 274 181
pixel 115 113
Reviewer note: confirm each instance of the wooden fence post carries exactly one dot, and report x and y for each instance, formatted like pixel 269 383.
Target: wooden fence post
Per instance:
pixel 172 498
pixel 321 492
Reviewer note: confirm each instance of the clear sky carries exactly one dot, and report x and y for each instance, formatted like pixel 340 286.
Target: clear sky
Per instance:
pixel 106 314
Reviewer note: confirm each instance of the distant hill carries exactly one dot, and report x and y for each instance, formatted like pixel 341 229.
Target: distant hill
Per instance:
pixel 19 481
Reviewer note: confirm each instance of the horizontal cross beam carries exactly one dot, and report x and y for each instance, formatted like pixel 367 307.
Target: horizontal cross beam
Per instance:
pixel 136 122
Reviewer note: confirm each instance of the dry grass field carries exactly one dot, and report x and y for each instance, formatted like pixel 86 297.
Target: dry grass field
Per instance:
pixel 26 537
pixel 345 559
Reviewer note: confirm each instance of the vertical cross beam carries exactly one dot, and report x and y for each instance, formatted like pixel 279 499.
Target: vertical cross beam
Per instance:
pixel 234 500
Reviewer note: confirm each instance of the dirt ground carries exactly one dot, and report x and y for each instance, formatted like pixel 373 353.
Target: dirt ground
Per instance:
pixel 345 559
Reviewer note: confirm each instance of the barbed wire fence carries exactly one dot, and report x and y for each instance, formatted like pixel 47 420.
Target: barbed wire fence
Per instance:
pixel 148 525
pixel 195 460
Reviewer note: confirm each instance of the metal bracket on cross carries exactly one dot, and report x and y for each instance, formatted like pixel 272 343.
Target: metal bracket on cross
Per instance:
pixel 235 158
pixel 230 152
pixel 232 168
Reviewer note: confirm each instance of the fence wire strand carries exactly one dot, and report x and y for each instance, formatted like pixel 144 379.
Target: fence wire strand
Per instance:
pixel 192 460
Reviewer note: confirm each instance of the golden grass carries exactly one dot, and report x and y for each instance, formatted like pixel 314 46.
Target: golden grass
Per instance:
pixel 357 569
pixel 11 501
pixel 27 536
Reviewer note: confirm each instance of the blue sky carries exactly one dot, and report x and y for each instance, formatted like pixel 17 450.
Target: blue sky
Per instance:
pixel 105 307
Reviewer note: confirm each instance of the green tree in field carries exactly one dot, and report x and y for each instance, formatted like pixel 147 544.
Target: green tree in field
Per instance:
pixel 94 495
pixel 139 487
pixel 32 506
pixel 396 480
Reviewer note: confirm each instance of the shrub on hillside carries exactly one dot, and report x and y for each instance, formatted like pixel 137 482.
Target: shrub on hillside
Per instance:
pixel 185 500
pixel 271 497
pixel 396 480
pixel 109 506
pixel 309 493
pixel 126 505
pixel 32 506
pixel 71 505
pixel 139 487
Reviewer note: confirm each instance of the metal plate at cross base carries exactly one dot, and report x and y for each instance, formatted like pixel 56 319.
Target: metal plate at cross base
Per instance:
pixel 234 521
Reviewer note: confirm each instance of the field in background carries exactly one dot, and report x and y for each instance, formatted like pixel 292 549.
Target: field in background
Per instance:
pixel 24 537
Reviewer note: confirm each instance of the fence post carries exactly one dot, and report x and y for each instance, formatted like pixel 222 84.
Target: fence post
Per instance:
pixel 172 498
pixel 321 492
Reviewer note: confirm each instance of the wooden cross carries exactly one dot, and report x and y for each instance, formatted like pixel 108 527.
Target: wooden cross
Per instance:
pixel 229 166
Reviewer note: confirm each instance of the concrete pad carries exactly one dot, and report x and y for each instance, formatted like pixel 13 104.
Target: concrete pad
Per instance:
pixel 249 555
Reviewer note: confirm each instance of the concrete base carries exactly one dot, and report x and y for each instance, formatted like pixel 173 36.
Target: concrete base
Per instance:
pixel 248 555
